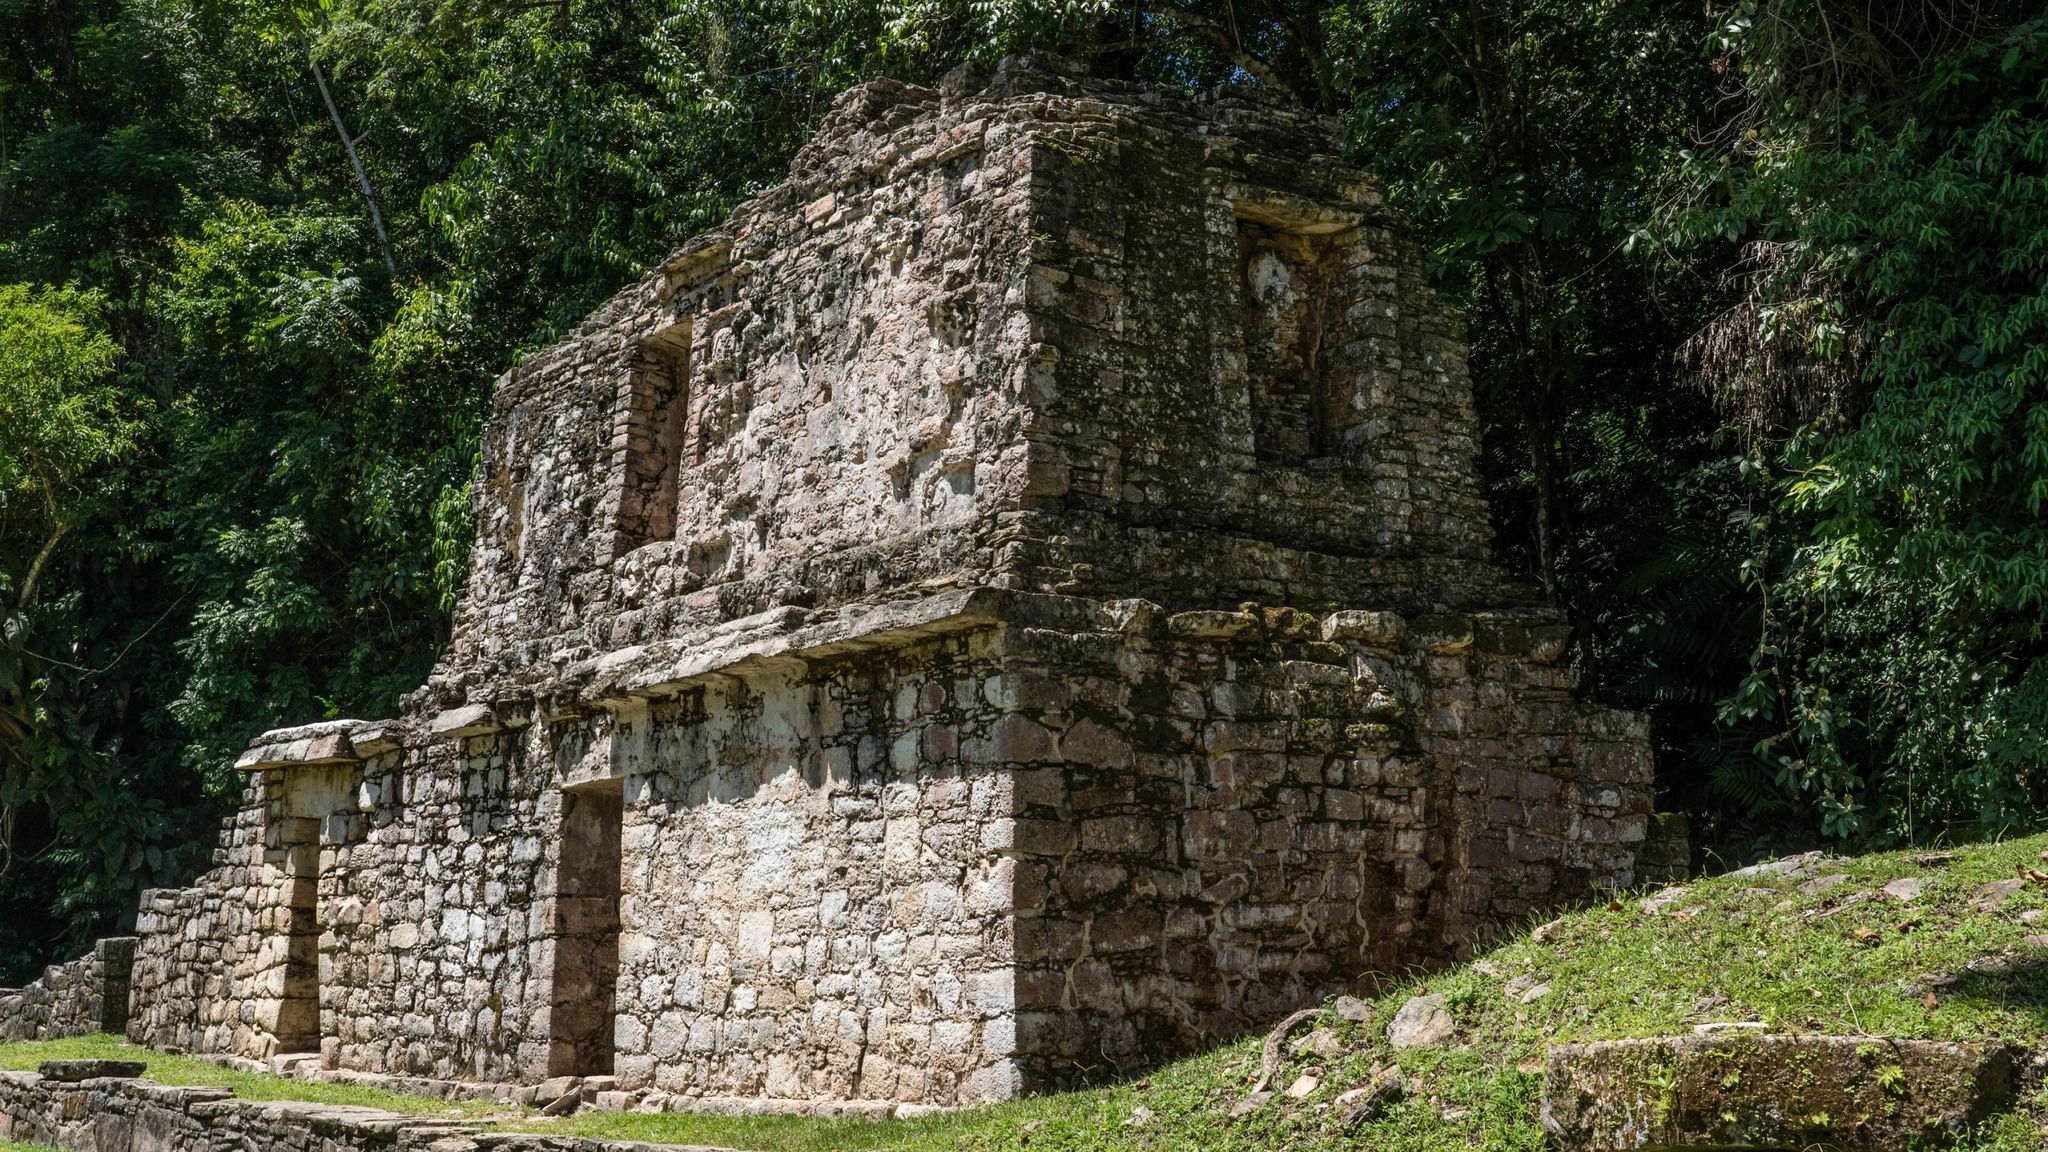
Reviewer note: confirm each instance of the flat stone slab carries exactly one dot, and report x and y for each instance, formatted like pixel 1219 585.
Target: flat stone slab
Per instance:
pixel 1756 1092
pixel 73 1071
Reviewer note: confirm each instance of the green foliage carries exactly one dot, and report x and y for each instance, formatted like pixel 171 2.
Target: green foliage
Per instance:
pixel 62 423
pixel 59 418
pixel 1528 140
pixel 1896 325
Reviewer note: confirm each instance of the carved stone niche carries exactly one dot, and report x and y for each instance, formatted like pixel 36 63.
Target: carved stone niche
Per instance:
pixel 1290 272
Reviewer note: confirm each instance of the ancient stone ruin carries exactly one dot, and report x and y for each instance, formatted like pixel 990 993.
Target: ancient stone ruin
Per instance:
pixel 85 996
pixel 1009 607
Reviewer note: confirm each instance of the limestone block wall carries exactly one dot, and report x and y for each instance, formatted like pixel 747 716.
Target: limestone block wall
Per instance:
pixel 815 397
pixel 1037 840
pixel 437 913
pixel 815 901
pixel 206 955
pixel 78 998
pixel 1235 352
pixel 235 963
pixel 416 911
pixel 770 877
pixel 1223 816
pixel 1044 333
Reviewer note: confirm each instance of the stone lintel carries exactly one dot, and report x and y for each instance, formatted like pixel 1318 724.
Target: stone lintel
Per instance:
pixel 327 742
pixel 704 256
pixel 467 720
pixel 794 636
pixel 1277 209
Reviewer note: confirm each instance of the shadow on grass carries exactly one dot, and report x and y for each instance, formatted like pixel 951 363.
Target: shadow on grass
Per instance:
pixel 2018 985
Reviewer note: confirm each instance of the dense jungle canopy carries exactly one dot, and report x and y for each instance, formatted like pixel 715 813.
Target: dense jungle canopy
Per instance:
pixel 1757 292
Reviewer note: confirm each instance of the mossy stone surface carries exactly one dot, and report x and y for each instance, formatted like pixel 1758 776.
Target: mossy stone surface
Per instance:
pixel 1842 1093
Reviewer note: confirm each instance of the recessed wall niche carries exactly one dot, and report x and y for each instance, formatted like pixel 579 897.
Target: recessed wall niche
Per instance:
pixel 1285 278
pixel 652 405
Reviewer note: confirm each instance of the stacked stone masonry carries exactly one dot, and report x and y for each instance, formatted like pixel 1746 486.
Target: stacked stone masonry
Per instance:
pixel 126 1115
pixel 1009 607
pixel 79 998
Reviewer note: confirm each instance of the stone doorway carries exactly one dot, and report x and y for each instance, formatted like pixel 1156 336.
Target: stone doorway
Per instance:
pixel 583 1004
pixel 308 816
pixel 298 1013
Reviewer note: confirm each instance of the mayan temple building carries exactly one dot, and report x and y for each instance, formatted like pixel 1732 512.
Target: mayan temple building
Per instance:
pixel 1011 606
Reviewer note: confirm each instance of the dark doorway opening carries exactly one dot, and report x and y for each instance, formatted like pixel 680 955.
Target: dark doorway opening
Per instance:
pixel 586 931
pixel 308 813
pixel 652 411
pixel 298 1014
pixel 1286 288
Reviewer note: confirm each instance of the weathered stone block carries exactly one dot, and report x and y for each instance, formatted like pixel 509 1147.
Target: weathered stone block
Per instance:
pixel 1756 1092
pixel 75 1071
pixel 1211 625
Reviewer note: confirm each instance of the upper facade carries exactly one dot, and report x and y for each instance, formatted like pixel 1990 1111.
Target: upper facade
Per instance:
pixel 1047 334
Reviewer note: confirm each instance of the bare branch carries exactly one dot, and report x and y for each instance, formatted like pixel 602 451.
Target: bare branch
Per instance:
pixel 35 569
pixel 1226 41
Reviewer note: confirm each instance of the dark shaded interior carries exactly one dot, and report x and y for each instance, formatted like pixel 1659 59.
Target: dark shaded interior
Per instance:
pixel 586 932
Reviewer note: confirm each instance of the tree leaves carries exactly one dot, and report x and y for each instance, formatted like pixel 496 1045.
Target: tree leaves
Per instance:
pixel 1906 667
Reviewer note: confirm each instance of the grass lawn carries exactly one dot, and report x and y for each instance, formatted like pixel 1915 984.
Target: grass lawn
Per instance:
pixel 187 1071
pixel 1803 957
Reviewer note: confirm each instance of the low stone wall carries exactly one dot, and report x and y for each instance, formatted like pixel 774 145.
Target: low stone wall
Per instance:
pixel 118 1115
pixel 87 995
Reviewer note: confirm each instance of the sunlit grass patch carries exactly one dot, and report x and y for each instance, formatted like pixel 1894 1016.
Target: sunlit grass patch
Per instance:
pixel 188 1071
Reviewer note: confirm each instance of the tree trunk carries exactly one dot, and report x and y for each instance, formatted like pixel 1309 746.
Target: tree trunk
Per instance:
pixel 35 570
pixel 348 145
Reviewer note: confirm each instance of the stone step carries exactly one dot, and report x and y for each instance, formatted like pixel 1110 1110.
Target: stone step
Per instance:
pixel 76 1071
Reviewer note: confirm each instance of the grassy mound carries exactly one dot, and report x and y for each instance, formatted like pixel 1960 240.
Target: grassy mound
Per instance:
pixel 1950 945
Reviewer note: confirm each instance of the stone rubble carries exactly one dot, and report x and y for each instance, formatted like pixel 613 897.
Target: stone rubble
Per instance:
pixel 1905 889
pixel 1423 1022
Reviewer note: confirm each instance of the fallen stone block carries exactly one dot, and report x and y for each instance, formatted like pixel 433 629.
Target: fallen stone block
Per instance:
pixel 1790 867
pixel 73 1071
pixel 548 1091
pixel 1364 1104
pixel 1751 1092
pixel 1422 1022
pixel 1353 1009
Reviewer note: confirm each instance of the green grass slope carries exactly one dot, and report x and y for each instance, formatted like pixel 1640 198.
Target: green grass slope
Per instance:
pixel 1827 950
